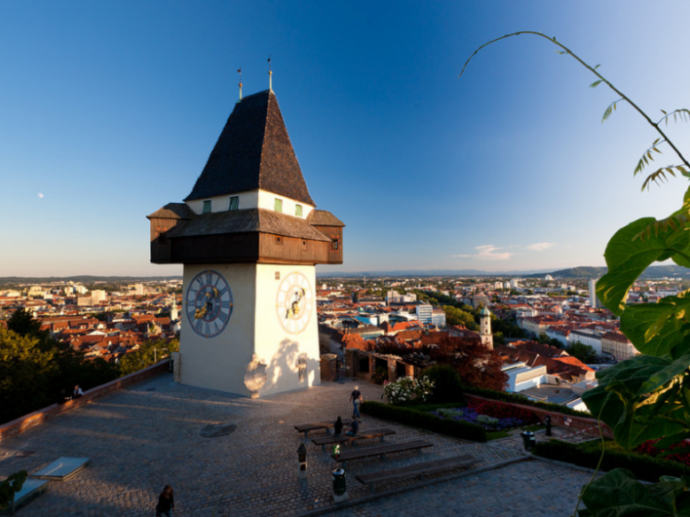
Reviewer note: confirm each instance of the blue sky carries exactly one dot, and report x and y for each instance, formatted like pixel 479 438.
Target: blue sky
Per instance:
pixel 109 110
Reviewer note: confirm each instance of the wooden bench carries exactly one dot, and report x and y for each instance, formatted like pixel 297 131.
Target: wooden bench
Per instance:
pixel 420 470
pixel 305 428
pixel 345 438
pixel 380 450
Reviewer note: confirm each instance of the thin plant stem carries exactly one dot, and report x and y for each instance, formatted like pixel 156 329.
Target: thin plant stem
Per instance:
pixel 596 471
pixel 591 69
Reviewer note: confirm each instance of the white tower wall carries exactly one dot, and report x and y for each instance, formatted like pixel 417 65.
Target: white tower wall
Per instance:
pixel 220 362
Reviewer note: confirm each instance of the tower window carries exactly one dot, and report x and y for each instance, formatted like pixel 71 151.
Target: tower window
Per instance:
pixel 298 210
pixel 279 205
pixel 207 207
pixel 234 203
pixel 335 243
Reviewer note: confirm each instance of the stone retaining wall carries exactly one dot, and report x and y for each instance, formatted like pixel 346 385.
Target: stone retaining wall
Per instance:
pixel 21 424
pixel 584 424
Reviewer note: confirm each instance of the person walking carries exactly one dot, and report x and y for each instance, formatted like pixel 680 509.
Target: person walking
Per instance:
pixel 356 398
pixel 166 503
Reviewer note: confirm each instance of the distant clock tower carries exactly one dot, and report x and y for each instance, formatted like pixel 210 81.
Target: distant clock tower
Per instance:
pixel 485 334
pixel 249 236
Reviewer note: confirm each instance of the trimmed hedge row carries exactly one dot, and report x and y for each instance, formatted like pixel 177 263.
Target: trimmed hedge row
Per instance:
pixel 521 399
pixel 416 418
pixel 645 468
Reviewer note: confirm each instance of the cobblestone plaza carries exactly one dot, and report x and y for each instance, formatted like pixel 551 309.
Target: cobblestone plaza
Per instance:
pixel 145 437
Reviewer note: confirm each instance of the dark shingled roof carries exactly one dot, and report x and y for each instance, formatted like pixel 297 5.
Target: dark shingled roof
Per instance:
pixel 251 220
pixel 323 218
pixel 253 152
pixel 172 211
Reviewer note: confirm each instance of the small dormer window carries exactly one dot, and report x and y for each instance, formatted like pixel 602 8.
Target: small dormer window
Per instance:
pixel 298 210
pixel 279 205
pixel 207 206
pixel 234 203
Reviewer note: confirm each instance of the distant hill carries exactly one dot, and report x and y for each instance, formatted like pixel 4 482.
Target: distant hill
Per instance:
pixel 596 272
pixel 83 279
pixel 426 273
pixel 574 272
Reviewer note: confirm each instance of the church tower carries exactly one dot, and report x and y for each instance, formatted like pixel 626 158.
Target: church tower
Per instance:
pixel 485 328
pixel 174 312
pixel 249 236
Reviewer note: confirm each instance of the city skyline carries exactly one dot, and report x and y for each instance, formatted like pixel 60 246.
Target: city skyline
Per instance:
pixel 114 109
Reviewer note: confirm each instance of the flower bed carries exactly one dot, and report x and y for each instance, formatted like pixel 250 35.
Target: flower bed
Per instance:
pixel 648 448
pixel 490 415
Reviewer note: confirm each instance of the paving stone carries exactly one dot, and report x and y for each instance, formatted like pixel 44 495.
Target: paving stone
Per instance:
pixel 140 439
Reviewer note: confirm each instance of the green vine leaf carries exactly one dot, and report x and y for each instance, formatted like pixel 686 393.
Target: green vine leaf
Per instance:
pixel 627 256
pixel 658 329
pixel 619 494
pixel 641 399
pixel 595 83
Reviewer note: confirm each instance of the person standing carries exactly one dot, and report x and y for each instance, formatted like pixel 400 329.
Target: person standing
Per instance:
pixel 338 427
pixel 166 503
pixel 356 398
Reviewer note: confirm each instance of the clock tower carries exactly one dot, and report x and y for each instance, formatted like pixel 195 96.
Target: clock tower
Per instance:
pixel 249 236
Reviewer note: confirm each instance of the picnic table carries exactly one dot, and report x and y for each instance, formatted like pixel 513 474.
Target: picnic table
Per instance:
pixel 305 428
pixel 327 426
pixel 380 450
pixel 420 470
pixel 345 438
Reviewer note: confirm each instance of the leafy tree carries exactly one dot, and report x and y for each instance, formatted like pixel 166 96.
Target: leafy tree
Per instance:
pixel 646 397
pixel 147 354
pixel 584 353
pixel 447 384
pixel 34 368
pixel 25 375
pixel 478 366
pixel 456 316
pixel 23 323
pixel 545 340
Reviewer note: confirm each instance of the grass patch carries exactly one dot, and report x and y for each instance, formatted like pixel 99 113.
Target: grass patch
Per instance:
pixel 413 416
pixel 534 428
pixel 497 435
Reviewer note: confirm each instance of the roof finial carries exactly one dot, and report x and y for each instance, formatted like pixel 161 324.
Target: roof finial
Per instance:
pixel 239 71
pixel 270 75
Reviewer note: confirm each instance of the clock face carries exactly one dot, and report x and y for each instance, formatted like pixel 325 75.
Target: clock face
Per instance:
pixel 208 303
pixel 295 302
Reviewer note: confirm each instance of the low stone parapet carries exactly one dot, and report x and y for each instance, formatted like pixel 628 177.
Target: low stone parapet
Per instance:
pixel 21 424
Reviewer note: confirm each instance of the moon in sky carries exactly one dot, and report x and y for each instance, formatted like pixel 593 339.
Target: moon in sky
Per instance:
pixel 40 195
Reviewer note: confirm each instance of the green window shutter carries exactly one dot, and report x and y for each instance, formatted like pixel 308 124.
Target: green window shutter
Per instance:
pixel 279 205
pixel 207 206
pixel 298 210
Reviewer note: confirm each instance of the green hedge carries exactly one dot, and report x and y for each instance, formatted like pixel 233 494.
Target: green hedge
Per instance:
pixel 417 418
pixel 521 399
pixel 645 468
